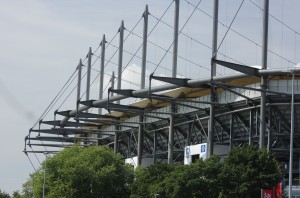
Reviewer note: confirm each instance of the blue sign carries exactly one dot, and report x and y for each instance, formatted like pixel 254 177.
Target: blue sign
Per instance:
pixel 203 148
pixel 187 152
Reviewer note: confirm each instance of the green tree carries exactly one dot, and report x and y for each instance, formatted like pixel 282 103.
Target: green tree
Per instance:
pixel 247 170
pixel 200 179
pixel 243 173
pixel 4 194
pixel 16 194
pixel 148 180
pixel 84 172
pixel 27 187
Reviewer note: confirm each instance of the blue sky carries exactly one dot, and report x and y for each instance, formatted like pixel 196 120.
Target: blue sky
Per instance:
pixel 42 42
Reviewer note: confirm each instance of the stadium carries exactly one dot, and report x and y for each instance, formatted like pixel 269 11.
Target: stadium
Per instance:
pixel 180 118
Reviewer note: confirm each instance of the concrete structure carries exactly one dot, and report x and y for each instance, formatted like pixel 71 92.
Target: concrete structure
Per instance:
pixel 134 161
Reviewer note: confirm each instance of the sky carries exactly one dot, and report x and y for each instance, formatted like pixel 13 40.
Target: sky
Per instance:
pixel 42 42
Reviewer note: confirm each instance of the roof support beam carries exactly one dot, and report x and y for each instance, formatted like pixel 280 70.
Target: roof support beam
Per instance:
pixel 237 67
pixel 249 88
pixel 142 92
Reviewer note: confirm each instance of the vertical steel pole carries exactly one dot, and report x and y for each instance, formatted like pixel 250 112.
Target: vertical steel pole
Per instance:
pixel 299 169
pixel 171 135
pixel 44 184
pixel 116 140
pixel 79 68
pixel 231 131
pixel 101 81
pixel 215 36
pixel 154 147
pixel 116 143
pixel 256 122
pixel 102 62
pixel 129 145
pixel 120 61
pixel 144 55
pixel 263 81
pixel 79 80
pixel 120 65
pixel 269 129
pixel 112 81
pixel 292 137
pixel 211 132
pixel 189 134
pixel 175 42
pixel 250 126
pixel 140 141
pixel 143 74
pixel 88 78
pixel 174 72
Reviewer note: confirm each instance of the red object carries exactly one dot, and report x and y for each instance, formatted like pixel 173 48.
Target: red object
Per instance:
pixel 266 193
pixel 278 190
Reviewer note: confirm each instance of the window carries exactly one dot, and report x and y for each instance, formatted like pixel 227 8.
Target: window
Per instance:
pixel 195 157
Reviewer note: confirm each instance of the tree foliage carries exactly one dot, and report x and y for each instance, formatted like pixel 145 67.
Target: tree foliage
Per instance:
pixel 148 180
pixel 247 170
pixel 196 180
pixel 242 174
pixel 98 172
pixel 4 194
pixel 16 194
pixel 83 172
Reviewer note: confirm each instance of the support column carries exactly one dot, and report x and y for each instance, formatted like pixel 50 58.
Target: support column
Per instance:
pixel 250 127
pixel 120 61
pixel 101 82
pixel 44 183
pixel 154 147
pixel 211 132
pixel 144 55
pixel 140 141
pixel 299 169
pixel 116 140
pixel 112 81
pixel 231 131
pixel 189 134
pixel 269 129
pixel 174 72
pixel 175 42
pixel 102 62
pixel 143 74
pixel 263 81
pixel 120 64
pixel 88 78
pixel 256 121
pixel 129 145
pixel 292 137
pixel 79 67
pixel 171 135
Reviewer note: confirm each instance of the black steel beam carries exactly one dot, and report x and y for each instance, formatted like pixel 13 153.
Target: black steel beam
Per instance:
pixel 237 67
pixel 124 92
pixel 249 88
pixel 68 124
